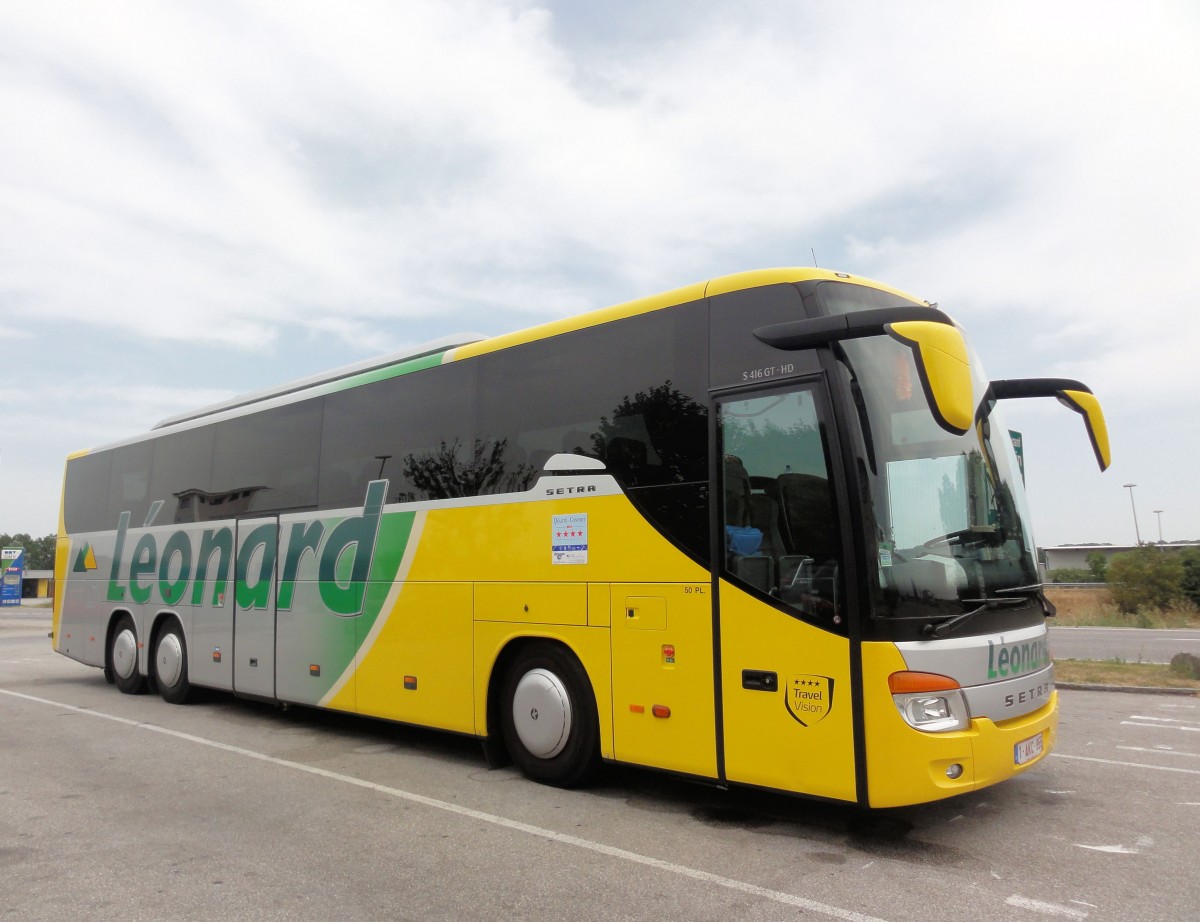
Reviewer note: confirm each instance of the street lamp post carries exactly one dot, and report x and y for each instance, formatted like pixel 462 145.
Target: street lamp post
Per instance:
pixel 1133 506
pixel 1159 512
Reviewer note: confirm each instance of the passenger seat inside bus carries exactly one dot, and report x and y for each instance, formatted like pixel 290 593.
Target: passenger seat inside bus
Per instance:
pixel 743 541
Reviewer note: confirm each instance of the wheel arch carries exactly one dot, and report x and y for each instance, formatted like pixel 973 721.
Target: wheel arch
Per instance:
pixel 503 661
pixel 161 620
pixel 589 647
pixel 114 617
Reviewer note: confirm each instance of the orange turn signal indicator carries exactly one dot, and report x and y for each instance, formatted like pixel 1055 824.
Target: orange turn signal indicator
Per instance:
pixel 908 683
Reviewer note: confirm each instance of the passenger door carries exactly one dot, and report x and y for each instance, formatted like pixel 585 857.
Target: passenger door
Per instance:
pixel 787 719
pixel 256 549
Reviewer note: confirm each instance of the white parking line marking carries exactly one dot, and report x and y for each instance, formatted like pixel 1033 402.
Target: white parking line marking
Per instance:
pixel 1142 843
pixel 1161 751
pixel 1157 768
pixel 1169 720
pixel 1158 726
pixel 788 899
pixel 1050 909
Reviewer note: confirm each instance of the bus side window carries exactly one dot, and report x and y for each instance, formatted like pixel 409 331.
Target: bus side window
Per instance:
pixel 781 528
pixel 130 485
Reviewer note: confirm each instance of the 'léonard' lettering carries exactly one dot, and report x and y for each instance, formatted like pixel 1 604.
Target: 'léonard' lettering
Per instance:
pixel 342 557
pixel 1017 658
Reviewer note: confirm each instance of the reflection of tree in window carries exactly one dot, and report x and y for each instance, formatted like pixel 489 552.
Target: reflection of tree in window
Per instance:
pixel 444 474
pixel 952 501
pixel 655 437
pixel 770 449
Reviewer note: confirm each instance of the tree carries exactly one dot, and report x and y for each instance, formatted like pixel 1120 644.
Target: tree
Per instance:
pixel 1097 566
pixel 39 552
pixel 1147 577
pixel 1068 575
pixel 1190 583
pixel 444 473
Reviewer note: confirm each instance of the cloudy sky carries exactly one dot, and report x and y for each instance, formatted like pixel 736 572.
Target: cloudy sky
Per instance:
pixel 199 200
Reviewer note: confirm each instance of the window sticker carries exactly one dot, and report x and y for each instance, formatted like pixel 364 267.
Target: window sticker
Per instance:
pixel 569 538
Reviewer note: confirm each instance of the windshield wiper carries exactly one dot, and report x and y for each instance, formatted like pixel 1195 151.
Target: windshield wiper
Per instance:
pixel 1032 587
pixel 1038 590
pixel 941 630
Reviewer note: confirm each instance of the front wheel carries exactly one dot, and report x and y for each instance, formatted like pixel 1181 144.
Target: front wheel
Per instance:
pixel 548 716
pixel 170 665
pixel 123 657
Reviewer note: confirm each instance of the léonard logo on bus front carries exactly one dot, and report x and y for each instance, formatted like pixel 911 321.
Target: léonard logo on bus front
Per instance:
pixel 1017 658
pixel 179 570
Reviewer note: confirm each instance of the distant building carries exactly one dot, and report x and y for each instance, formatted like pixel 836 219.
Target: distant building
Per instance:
pixel 38 584
pixel 1075 555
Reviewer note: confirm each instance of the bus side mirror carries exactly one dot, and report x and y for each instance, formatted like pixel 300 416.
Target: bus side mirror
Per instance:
pixel 937 346
pixel 1071 394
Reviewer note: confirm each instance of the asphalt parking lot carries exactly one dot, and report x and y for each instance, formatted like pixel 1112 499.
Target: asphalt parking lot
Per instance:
pixel 130 807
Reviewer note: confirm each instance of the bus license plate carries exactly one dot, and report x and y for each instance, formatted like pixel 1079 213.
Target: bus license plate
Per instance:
pixel 1027 750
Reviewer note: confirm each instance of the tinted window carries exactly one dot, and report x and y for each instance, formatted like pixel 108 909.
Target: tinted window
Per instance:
pixel 737 357
pixel 415 430
pixel 846 298
pixel 86 499
pixel 632 393
pixel 129 485
pixel 183 475
pixel 779 511
pixel 266 462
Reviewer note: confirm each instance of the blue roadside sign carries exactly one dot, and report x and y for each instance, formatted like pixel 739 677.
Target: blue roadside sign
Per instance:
pixel 12 572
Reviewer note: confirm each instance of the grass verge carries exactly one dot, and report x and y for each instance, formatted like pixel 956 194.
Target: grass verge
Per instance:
pixel 1114 672
pixel 1094 607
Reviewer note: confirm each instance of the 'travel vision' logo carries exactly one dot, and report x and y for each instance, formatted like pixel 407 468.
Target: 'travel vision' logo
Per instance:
pixel 809 698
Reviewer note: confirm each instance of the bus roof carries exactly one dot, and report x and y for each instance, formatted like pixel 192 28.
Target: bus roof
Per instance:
pixel 346 371
pixel 466 345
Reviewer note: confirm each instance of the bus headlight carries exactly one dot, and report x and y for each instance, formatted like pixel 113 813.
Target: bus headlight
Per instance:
pixel 929 702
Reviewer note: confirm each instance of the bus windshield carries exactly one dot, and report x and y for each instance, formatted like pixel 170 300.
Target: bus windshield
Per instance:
pixel 948 515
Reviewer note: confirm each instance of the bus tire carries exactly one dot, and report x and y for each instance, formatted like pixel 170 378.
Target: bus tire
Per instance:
pixel 548 716
pixel 123 657
pixel 170 664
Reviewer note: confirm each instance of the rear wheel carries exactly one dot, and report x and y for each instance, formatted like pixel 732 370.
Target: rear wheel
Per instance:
pixel 123 657
pixel 170 664
pixel 548 716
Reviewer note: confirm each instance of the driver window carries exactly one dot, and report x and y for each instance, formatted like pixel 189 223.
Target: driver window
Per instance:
pixel 780 521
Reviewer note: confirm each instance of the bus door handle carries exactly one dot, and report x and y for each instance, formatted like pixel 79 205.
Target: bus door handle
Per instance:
pixel 758 680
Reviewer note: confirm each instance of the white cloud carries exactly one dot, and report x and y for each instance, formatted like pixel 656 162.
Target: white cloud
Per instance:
pixel 250 177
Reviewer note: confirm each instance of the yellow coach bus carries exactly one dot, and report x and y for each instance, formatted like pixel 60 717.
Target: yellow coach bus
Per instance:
pixel 764 530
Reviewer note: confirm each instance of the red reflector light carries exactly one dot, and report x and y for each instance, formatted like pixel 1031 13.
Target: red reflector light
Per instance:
pixel 660 710
pixel 637 708
pixel 907 683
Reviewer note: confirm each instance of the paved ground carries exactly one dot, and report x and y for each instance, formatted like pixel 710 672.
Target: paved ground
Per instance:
pixel 130 807
pixel 1128 644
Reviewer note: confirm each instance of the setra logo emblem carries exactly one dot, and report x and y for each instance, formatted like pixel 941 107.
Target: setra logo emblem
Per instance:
pixel 809 698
